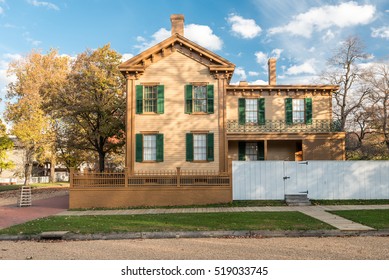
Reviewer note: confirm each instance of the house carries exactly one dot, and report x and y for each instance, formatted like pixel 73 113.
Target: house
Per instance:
pixel 184 116
pixel 182 111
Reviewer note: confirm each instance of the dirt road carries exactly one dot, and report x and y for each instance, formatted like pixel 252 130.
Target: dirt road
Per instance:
pixel 330 248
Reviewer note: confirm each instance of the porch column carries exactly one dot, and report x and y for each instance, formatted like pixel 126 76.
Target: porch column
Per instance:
pixel 130 123
pixel 223 145
pixel 265 148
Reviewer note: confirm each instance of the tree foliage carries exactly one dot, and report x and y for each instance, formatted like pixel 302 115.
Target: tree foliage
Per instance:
pixel 32 124
pixel 91 105
pixel 5 145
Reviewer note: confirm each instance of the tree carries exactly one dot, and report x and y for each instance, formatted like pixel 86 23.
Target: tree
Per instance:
pixel 31 120
pixel 345 72
pixel 91 106
pixel 5 145
pixel 378 80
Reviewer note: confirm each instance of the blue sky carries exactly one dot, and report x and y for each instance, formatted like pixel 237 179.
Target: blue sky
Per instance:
pixel 300 33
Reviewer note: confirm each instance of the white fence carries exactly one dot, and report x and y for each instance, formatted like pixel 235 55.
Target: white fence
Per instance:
pixel 322 179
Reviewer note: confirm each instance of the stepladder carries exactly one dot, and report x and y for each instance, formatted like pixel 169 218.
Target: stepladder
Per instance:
pixel 25 196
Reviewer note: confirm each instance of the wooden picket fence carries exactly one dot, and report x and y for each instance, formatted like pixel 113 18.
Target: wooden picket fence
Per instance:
pixel 178 178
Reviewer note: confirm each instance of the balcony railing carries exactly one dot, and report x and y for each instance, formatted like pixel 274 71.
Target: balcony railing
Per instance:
pixel 233 126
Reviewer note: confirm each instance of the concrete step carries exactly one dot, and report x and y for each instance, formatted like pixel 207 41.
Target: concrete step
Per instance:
pixel 297 199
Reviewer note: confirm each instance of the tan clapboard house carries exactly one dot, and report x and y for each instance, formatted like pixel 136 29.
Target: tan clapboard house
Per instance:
pixel 185 124
pixel 183 112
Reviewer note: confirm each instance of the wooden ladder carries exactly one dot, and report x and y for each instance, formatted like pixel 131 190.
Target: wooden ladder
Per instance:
pixel 25 196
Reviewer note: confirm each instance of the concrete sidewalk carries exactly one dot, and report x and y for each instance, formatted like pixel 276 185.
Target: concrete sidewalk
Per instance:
pixel 317 212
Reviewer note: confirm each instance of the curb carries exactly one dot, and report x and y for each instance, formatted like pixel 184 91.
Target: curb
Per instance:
pixel 194 234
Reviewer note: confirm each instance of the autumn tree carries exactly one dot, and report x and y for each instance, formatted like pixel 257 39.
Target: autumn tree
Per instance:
pixel 344 71
pixel 91 105
pixel 5 145
pixel 31 121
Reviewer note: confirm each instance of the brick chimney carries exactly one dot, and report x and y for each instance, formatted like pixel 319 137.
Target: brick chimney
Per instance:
pixel 272 71
pixel 177 21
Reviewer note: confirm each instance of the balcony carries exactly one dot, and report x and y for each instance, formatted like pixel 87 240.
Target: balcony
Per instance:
pixel 280 126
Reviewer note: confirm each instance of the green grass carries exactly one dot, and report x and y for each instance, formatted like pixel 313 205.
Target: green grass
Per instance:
pixel 378 219
pixel 350 202
pixel 36 185
pixel 171 222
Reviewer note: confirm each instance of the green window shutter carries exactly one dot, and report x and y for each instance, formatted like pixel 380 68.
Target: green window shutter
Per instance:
pixel 139 148
pixel 288 111
pixel 189 147
pixel 210 99
pixel 308 110
pixel 188 99
pixel 261 111
pixel 139 99
pixel 159 157
pixel 242 110
pixel 241 150
pixel 210 147
pixel 261 150
pixel 160 99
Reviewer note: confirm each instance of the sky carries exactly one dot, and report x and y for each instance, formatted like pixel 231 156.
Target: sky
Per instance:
pixel 301 34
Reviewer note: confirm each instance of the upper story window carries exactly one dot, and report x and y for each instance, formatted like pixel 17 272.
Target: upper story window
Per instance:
pixel 199 98
pixel 298 110
pixel 251 111
pixel 150 99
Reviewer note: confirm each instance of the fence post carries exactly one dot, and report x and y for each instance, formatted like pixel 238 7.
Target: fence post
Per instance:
pixel 71 176
pixel 126 177
pixel 178 176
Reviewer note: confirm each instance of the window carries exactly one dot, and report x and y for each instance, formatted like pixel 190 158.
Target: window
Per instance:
pixel 199 147
pixel 251 111
pixel 298 111
pixel 199 99
pixel 251 108
pixel 150 99
pixel 149 147
pixel 251 151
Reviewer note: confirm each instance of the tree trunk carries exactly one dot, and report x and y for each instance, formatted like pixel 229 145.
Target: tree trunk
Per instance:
pixel 101 161
pixel 52 169
pixel 28 165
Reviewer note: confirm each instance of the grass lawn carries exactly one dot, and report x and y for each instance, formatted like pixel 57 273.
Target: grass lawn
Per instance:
pixel 9 188
pixel 171 222
pixel 36 185
pixel 378 219
pixel 350 202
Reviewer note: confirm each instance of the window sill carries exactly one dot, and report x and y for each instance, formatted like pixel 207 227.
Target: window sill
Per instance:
pixel 150 161
pixel 200 113
pixel 200 161
pixel 149 113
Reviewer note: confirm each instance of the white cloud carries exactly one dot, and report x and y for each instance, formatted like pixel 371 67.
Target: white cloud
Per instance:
pixel 47 5
pixel 262 58
pixel 328 36
pixel 203 35
pixel 322 18
pixel 258 82
pixel 245 28
pixel 200 34
pixel 239 71
pixel 305 68
pixel 126 56
pixel 27 37
pixel 382 32
pixel 253 73
pixel 1 10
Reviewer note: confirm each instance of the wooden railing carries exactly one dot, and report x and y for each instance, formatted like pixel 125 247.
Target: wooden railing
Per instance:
pixel 178 178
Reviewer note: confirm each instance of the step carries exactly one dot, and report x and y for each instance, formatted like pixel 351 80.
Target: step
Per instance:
pixel 25 196
pixel 297 199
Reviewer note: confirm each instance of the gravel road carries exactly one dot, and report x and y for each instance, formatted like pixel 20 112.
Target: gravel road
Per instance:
pixel 311 248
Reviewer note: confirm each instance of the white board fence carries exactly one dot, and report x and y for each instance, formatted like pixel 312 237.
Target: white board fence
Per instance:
pixel 322 179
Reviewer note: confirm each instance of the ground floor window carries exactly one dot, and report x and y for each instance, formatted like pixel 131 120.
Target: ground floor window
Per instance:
pixel 251 151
